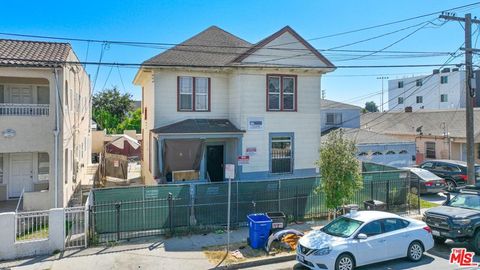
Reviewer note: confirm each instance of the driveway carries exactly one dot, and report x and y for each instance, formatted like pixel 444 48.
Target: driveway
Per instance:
pixel 434 259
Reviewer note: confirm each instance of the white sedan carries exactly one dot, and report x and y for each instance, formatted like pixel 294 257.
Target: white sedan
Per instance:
pixel 362 238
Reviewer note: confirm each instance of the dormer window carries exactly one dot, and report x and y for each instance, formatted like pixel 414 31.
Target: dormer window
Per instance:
pixel 281 93
pixel 193 94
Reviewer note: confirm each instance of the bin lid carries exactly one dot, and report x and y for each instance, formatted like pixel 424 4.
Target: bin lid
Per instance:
pixel 259 218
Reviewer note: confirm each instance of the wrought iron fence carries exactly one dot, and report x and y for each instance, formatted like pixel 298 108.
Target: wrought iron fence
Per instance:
pixel 123 213
pixel 75 221
pixel 30 226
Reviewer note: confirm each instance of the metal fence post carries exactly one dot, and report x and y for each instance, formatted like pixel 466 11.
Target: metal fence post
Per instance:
pixel 170 211
pixel 117 208
pixel 371 190
pixel 296 204
pixel 418 195
pixel 387 198
pixel 236 194
pixel 279 187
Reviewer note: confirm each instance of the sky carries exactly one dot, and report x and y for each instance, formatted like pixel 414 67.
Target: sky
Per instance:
pixel 176 21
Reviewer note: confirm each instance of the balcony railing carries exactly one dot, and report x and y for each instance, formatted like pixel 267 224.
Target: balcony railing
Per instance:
pixel 24 109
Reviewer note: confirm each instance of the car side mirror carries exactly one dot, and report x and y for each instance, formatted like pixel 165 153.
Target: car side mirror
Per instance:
pixel 362 236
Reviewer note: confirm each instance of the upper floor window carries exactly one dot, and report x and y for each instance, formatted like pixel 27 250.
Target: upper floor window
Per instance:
pixel 430 149
pixel 443 98
pixel 193 94
pixel 444 79
pixel 419 99
pixel 400 100
pixel 400 84
pixel 333 119
pixel 419 82
pixel 281 93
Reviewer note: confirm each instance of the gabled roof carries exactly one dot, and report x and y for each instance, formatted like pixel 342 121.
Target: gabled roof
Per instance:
pixel 326 104
pixel 215 47
pixel 39 54
pixel 286 29
pixel 211 47
pixel 427 122
pixel 363 136
pixel 199 126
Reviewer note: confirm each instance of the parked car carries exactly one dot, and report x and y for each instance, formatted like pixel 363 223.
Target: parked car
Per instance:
pixel 425 181
pixel 457 219
pixel 361 238
pixel 453 171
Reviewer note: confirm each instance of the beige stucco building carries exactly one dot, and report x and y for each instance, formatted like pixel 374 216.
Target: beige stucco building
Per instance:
pixel 44 123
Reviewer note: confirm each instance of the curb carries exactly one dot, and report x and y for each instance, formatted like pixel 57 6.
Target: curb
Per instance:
pixel 255 263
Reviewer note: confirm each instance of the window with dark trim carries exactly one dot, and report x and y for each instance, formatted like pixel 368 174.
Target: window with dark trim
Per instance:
pixel 443 79
pixel 430 150
pixel 193 94
pixel 281 93
pixel 333 119
pixel 419 82
pixel 400 84
pixel 400 100
pixel 444 98
pixel 281 152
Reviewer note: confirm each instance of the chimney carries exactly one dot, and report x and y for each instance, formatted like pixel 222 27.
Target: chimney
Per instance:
pixel 436 71
pixel 445 70
pixel 408 109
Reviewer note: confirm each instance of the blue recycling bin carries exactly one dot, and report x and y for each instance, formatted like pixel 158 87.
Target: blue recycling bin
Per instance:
pixel 259 226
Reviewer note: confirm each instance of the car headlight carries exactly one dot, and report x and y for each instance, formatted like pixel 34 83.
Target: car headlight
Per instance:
pixel 461 221
pixel 322 251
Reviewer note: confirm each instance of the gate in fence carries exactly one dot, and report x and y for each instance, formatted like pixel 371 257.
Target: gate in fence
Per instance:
pixel 75 227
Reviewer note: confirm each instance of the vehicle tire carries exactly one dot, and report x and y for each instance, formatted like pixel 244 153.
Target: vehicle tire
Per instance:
pixel 475 242
pixel 415 251
pixel 451 185
pixel 439 240
pixel 344 262
pixel 414 190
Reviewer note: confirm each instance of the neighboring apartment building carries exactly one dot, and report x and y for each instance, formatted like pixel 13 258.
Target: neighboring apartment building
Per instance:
pixel 443 89
pixel 438 134
pixel 217 99
pixel 336 114
pixel 44 123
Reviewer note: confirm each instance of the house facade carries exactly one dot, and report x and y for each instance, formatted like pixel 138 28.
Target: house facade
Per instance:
pixel 336 114
pixel 216 99
pixel 44 123
pixel 438 134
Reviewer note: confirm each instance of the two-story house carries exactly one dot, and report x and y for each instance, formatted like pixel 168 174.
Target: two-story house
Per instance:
pixel 336 114
pixel 44 123
pixel 217 99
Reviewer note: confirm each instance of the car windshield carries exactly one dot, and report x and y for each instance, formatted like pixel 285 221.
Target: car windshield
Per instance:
pixel 469 201
pixel 426 175
pixel 342 227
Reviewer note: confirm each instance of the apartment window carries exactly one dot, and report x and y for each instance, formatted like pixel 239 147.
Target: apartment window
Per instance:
pixel 443 79
pixel 281 153
pixel 281 93
pixel 333 119
pixel 43 95
pixel 66 166
pixel 430 149
pixel 400 100
pixel 43 167
pixel 443 98
pixel 419 82
pixel 400 84
pixel 193 94
pixel 419 99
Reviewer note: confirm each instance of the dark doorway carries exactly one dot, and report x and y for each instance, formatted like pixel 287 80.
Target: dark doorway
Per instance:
pixel 215 162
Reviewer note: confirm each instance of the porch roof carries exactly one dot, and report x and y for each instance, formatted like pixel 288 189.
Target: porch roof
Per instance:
pixel 195 126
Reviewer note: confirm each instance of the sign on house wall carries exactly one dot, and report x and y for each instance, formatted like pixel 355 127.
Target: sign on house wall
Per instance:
pixel 255 123
pixel 243 160
pixel 251 151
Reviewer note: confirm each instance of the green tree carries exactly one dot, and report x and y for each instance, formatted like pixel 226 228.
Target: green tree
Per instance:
pixel 106 120
pixel 113 102
pixel 340 170
pixel 132 122
pixel 370 106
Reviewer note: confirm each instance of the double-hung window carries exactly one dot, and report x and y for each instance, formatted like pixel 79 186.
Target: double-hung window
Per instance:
pixel 281 153
pixel 334 119
pixel 193 93
pixel 430 149
pixel 281 93
pixel 443 79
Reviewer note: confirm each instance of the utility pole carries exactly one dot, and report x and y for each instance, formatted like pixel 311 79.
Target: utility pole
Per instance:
pixel 469 92
pixel 382 78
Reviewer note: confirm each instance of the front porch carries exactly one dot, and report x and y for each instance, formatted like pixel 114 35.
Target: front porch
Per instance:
pixel 25 176
pixel 195 150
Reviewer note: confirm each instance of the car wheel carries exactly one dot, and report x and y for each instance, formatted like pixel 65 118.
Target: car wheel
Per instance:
pixel 475 242
pixel 415 251
pixel 344 262
pixel 439 240
pixel 451 185
pixel 414 190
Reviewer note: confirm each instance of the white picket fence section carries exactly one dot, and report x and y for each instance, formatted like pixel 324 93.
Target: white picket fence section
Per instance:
pixel 31 226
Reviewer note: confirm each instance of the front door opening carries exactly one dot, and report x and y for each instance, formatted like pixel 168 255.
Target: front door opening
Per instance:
pixel 215 162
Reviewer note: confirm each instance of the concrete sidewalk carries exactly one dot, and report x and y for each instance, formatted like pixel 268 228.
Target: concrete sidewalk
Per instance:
pixel 142 253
